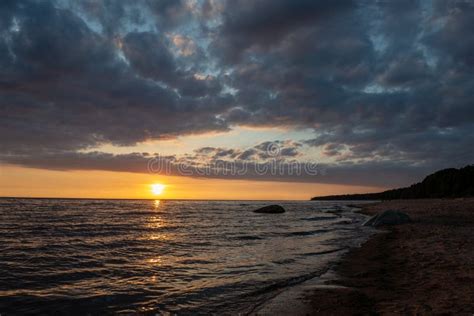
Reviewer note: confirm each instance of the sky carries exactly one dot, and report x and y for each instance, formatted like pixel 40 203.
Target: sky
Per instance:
pixel 237 99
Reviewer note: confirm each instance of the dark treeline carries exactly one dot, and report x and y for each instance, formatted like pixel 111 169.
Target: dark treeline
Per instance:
pixel 446 183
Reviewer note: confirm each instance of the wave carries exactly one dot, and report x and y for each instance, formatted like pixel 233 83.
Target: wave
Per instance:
pixel 319 253
pixel 306 232
pixel 247 237
pixel 320 218
pixel 210 256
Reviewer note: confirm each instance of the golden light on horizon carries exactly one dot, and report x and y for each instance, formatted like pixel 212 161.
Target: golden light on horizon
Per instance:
pixel 28 182
pixel 157 188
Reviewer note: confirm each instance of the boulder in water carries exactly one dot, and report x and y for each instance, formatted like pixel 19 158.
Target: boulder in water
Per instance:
pixel 270 209
pixel 389 217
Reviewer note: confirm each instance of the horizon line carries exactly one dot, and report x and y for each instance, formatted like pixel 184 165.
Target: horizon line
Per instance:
pixel 142 199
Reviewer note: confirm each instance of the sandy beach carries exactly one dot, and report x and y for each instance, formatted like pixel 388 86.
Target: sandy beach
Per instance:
pixel 425 267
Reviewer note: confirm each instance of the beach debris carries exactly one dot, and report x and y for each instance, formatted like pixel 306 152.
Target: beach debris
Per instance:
pixel 270 209
pixel 388 217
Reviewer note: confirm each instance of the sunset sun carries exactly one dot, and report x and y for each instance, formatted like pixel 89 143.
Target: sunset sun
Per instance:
pixel 157 188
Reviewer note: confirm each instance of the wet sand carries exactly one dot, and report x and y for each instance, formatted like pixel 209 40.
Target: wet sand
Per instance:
pixel 423 268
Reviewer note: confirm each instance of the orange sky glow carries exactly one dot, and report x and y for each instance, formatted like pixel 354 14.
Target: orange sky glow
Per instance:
pixel 28 182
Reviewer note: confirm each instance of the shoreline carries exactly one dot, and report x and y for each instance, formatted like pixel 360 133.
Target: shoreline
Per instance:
pixel 294 300
pixel 422 268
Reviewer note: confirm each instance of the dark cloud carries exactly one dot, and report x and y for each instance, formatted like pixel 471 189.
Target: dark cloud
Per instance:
pixel 262 152
pixel 384 85
pixel 451 35
pixel 405 72
pixel 260 24
pixel 65 87
pixel 150 57
pixel 384 174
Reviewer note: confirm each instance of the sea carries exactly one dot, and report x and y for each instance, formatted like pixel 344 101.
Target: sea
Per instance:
pixel 164 257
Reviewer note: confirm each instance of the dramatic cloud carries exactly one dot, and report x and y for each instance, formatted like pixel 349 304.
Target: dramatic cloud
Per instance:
pixel 253 163
pixel 382 86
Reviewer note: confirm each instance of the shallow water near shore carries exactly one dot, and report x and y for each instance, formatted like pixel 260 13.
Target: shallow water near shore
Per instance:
pixel 185 257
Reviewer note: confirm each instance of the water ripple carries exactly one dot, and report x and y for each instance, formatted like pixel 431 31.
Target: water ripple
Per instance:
pixel 191 257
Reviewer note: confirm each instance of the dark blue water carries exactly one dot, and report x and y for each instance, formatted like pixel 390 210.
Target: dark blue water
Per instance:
pixel 184 257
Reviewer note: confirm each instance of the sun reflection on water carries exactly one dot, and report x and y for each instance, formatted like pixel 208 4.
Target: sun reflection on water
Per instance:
pixel 155 260
pixel 156 223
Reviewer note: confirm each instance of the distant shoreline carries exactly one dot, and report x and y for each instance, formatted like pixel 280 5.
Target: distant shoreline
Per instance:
pixel 446 183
